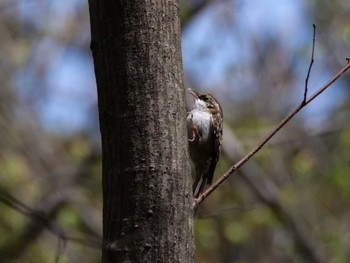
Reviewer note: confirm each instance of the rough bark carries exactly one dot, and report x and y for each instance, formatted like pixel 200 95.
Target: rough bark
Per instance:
pixel 147 215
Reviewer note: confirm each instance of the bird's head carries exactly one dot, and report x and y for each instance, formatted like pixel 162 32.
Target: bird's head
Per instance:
pixel 205 101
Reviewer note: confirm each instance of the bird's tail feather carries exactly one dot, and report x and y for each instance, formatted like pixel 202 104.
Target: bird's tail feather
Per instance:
pixel 198 186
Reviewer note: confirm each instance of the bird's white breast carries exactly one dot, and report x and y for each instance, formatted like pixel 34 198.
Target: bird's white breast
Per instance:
pixel 201 119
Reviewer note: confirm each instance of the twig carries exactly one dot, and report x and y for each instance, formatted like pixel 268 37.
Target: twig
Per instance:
pixel 40 217
pixel 269 136
pixel 310 66
pixel 267 192
pixel 40 220
pixel 61 246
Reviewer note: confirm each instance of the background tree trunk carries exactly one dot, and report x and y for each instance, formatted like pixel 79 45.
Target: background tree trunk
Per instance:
pixel 147 215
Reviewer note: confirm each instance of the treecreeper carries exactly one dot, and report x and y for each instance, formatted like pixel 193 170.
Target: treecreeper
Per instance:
pixel 204 131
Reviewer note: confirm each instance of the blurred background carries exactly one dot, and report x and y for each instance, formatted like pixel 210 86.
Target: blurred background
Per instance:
pixel 290 203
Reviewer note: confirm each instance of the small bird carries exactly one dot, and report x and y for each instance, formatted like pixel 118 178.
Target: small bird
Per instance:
pixel 204 131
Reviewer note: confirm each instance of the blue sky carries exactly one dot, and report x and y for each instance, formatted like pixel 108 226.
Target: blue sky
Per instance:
pixel 226 41
pixel 211 44
pixel 214 41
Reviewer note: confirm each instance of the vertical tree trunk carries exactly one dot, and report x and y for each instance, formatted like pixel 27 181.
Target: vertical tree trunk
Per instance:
pixel 147 214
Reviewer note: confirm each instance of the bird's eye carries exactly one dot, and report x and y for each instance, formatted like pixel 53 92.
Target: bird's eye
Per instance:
pixel 205 98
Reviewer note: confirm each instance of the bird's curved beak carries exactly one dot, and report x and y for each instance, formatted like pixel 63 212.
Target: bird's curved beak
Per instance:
pixel 193 93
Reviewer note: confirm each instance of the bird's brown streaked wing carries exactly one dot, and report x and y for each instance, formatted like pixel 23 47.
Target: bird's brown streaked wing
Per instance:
pixel 216 147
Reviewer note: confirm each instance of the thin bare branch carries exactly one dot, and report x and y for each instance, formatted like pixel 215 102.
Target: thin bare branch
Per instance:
pixel 311 63
pixel 40 220
pixel 268 193
pixel 233 168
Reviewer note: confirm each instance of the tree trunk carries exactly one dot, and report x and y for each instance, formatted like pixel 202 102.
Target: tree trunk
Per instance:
pixel 147 200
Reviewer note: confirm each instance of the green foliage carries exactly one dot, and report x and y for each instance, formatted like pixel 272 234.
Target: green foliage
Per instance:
pixel 309 167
